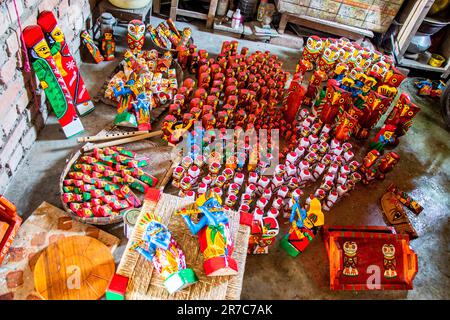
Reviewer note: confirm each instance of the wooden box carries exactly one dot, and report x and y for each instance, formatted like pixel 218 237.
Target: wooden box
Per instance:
pixel 369 258
pixel 8 215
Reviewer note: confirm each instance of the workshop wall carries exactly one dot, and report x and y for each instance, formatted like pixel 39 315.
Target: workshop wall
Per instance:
pixel 21 118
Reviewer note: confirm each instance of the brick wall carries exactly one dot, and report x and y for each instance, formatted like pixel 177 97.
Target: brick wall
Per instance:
pixel 20 120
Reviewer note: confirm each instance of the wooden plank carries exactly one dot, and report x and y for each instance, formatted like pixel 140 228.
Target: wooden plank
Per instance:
pixel 192 14
pixel 412 24
pixel 211 13
pixel 173 10
pixel 409 63
pixel 283 23
pixel 350 32
pixel 157 6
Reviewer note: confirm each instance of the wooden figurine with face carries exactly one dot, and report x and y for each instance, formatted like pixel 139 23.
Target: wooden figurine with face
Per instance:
pixel 313 88
pixel 350 259
pixel 51 80
pixel 312 50
pixel 337 100
pixel 136 35
pixel 387 163
pixel 345 126
pixel 328 60
pixel 65 62
pixel 389 262
pixel 401 115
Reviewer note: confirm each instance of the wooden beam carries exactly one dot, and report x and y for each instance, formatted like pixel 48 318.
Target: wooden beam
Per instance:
pixel 173 10
pixel 283 23
pixel 157 6
pixel 350 32
pixel 211 13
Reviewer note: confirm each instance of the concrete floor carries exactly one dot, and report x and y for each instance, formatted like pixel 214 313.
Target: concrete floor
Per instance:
pixel 423 171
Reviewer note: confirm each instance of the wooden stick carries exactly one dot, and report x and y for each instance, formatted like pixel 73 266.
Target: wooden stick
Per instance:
pixel 90 147
pixel 163 182
pixel 110 136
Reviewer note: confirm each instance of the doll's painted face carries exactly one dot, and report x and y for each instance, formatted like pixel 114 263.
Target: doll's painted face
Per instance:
pixel 57 35
pixel 42 49
pixel 136 29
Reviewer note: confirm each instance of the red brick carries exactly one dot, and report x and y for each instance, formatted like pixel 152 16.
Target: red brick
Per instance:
pixel 29 138
pixel 16 254
pixel 12 43
pixel 4 179
pixel 30 3
pixel 14 279
pixel 22 101
pixel 8 70
pixel 4 20
pixel 63 8
pixel 8 119
pixel 15 159
pixel 13 140
pixel 38 239
pixel 48 5
pixel 12 12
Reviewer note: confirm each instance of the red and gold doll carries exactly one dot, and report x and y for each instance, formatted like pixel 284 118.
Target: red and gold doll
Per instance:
pixel 313 88
pixel 327 61
pixel 345 127
pixel 65 62
pixel 337 100
pixel 108 46
pixel 51 81
pixel 263 234
pixel 214 234
pixel 136 35
pixel 402 114
pixel 350 259
pixel 366 168
pixel 312 50
pixel 387 163
pixel 294 98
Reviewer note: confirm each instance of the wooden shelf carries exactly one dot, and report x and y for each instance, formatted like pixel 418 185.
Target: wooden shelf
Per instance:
pixel 409 63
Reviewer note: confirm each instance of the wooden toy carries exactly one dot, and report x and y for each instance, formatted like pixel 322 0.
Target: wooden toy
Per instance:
pixel 159 247
pixel 51 81
pixel 108 46
pixel 9 225
pixel 117 287
pixel 369 258
pixel 213 232
pixel 387 163
pixel 135 35
pixel 405 199
pixel 263 234
pixel 304 227
pixel 91 46
pixel 65 62
pixel 396 216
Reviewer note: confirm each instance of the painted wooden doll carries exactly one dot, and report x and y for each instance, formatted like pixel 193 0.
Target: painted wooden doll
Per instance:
pixel 159 246
pixel 304 227
pixel 263 235
pixel 136 35
pixel 108 46
pixel 51 80
pixel 214 234
pixel 92 47
pixel 294 98
pixel 65 62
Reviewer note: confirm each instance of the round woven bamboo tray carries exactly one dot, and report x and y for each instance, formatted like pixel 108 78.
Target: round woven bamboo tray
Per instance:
pixel 95 220
pixel 159 165
pixel 174 52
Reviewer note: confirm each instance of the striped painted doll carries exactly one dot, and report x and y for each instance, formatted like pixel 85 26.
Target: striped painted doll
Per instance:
pixel 65 62
pixel 51 81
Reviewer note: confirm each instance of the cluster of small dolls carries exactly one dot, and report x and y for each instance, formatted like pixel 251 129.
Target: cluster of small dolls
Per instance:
pixel 235 90
pixel 147 80
pixel 100 184
pixel 167 36
pixel 361 86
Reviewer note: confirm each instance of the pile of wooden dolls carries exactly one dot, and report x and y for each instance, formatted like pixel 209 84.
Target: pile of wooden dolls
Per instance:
pixel 148 80
pixel 99 184
pixel 242 91
pixel 167 36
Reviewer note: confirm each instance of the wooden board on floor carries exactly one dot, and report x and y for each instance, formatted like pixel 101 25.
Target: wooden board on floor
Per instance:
pixel 145 282
pixel 74 268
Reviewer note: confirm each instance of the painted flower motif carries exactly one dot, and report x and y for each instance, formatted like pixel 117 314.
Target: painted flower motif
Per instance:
pixel 70 65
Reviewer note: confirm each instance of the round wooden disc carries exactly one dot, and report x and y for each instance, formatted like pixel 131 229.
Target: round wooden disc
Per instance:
pixel 74 268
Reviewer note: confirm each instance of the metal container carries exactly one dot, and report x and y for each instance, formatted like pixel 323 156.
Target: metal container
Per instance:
pixel 130 217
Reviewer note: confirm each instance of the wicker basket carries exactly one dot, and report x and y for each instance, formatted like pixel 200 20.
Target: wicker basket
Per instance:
pixel 159 166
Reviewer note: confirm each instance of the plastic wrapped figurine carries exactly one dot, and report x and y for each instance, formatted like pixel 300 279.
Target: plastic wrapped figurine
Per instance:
pixel 213 232
pixel 159 246
pixel 136 35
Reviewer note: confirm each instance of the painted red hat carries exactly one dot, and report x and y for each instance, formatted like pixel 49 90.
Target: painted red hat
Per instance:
pixel 47 21
pixel 32 35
